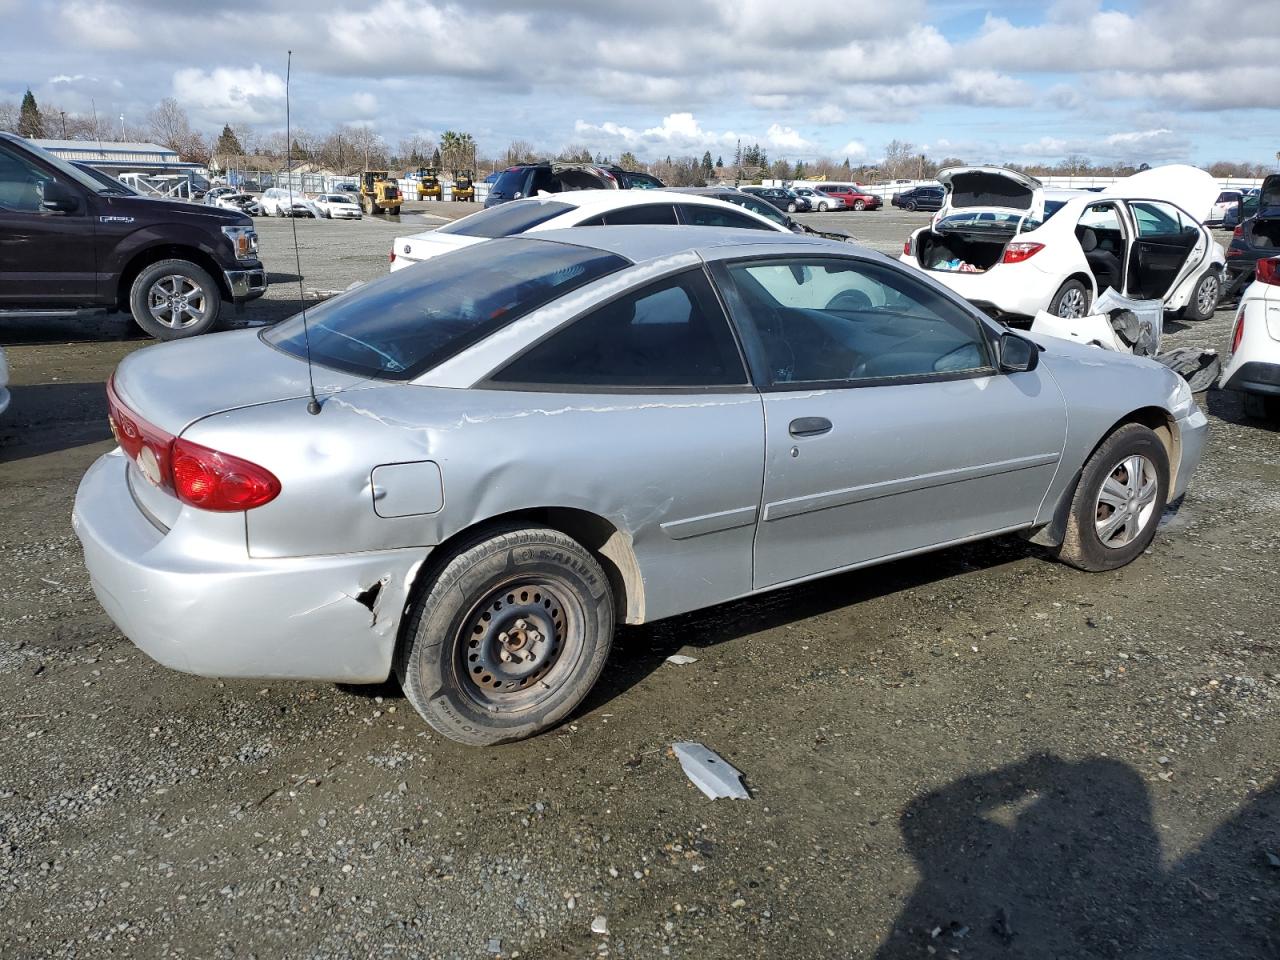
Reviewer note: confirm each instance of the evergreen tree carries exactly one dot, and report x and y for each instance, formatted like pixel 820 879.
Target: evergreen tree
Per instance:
pixel 707 168
pixel 30 122
pixel 228 144
pixel 719 163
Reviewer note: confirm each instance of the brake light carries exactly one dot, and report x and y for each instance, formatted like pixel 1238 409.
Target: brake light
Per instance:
pixel 1238 231
pixel 212 480
pixel 1238 334
pixel 1268 271
pixel 195 474
pixel 906 247
pixel 1023 250
pixel 391 255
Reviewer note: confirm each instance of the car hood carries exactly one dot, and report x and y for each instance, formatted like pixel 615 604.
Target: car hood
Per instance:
pixel 153 209
pixel 172 385
pixel 991 188
pixel 1190 188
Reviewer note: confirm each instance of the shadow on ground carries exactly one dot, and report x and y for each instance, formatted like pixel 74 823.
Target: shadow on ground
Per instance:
pixel 50 417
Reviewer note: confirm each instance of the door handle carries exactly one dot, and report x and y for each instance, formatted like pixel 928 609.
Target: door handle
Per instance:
pixel 809 426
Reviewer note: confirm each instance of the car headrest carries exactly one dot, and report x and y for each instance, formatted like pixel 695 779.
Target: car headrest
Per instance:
pixel 1088 240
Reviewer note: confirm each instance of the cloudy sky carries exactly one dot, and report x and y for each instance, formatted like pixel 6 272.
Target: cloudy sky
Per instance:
pixel 1152 80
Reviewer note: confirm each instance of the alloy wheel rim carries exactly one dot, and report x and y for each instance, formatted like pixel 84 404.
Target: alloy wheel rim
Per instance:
pixel 1072 304
pixel 1126 501
pixel 1208 298
pixel 177 302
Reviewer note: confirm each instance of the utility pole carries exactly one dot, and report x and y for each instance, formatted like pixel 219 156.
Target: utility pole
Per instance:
pixel 63 113
pixel 122 127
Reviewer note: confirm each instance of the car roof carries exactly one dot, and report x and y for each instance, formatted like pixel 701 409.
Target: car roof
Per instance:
pixel 642 243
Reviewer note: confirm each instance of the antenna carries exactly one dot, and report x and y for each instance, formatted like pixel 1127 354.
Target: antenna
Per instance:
pixel 313 407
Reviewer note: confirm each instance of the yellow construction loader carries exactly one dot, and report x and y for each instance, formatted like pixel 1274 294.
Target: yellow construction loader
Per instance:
pixel 428 183
pixel 378 194
pixel 464 188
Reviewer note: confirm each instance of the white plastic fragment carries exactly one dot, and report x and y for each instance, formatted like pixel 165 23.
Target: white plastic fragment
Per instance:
pixel 710 772
pixel 680 659
pixel 600 925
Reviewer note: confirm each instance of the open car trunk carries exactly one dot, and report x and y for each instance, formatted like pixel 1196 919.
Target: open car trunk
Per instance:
pixel 961 252
pixel 1263 230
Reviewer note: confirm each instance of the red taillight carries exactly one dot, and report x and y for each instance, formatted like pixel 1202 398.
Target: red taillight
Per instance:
pixel 1017 252
pixel 906 247
pixel 1269 271
pixel 218 481
pixel 1238 231
pixel 1238 334
pixel 391 256
pixel 193 473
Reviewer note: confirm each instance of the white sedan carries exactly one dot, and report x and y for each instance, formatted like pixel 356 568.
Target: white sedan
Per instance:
pixel 337 206
pixel 1254 368
pixel 576 208
pixel 1011 248
pixel 281 202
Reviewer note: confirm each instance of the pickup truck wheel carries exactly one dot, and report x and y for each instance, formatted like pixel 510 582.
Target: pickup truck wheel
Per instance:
pixel 1204 298
pixel 509 637
pixel 1118 502
pixel 175 298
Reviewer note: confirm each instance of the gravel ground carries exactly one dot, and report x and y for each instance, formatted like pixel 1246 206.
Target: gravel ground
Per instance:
pixel 974 754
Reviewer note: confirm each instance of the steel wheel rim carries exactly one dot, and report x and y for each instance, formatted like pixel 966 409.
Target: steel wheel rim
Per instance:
pixel 177 302
pixel 1207 299
pixel 1072 304
pixel 519 643
pixel 1126 501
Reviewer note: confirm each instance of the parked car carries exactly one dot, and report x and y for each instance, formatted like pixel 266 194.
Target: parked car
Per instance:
pixel 337 206
pixel 4 382
pixel 1243 209
pixel 919 198
pixel 246 203
pixel 524 442
pixel 1254 364
pixel 211 196
pixel 778 197
pixel 530 179
pixel 764 209
pixel 115 186
pixel 819 202
pixel 1256 238
pixel 578 208
pixel 281 202
pixel 998 242
pixel 73 243
pixel 854 196
pixel 1227 199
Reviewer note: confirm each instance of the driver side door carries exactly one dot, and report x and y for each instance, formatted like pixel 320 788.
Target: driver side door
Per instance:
pixel 888 429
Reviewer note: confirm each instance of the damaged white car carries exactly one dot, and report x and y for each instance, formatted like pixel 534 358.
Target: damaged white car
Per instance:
pixel 1013 249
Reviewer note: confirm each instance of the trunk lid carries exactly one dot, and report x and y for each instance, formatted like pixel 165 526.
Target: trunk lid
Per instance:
pixel 171 385
pixel 424 246
pixel 1269 197
pixel 989 188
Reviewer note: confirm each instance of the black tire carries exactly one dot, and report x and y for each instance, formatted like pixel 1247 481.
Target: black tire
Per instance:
pixel 791 208
pixel 189 287
pixel 909 205
pixel 1070 293
pixel 1082 546
pixel 1204 298
pixel 859 205
pixel 822 206
pixel 1261 407
pixel 543 592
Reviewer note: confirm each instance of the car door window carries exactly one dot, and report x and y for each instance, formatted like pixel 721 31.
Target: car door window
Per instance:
pixel 21 183
pixel 662 213
pixel 1155 220
pixel 766 210
pixel 700 215
pixel 821 321
pixel 669 334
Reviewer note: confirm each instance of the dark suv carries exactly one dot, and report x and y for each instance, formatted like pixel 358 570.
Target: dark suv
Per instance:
pixel 919 198
pixel 527 179
pixel 69 241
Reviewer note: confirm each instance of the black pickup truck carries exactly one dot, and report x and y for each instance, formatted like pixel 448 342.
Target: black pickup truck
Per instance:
pixel 71 241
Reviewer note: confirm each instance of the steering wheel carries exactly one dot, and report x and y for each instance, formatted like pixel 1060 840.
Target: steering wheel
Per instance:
pixel 849 300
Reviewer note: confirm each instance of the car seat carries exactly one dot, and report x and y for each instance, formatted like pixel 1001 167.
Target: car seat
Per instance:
pixel 1104 264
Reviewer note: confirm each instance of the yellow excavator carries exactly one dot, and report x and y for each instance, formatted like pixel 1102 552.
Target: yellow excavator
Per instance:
pixel 428 183
pixel 379 194
pixel 464 187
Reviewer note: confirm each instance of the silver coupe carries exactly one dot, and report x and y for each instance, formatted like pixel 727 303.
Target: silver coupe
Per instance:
pixel 521 443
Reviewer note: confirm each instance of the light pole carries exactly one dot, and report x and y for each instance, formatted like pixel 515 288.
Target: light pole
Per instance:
pixel 122 127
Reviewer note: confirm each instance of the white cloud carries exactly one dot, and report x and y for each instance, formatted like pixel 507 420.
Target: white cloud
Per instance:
pixel 854 148
pixel 231 94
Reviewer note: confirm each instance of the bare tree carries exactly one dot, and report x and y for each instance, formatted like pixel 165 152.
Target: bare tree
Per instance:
pixel 520 151
pixel 900 158
pixel 9 116
pixel 367 145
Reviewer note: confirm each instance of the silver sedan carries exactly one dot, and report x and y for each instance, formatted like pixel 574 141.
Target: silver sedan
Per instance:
pixel 515 446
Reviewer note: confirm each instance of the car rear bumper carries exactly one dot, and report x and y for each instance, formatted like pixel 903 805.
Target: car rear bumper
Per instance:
pixel 1256 376
pixel 219 614
pixel 246 284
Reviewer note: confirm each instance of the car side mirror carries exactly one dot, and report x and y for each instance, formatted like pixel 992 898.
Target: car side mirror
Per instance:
pixel 1017 354
pixel 59 198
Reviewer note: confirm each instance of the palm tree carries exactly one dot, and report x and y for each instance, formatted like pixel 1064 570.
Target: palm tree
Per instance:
pixel 457 150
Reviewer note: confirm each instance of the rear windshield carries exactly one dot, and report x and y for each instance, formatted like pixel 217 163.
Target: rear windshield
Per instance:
pixel 407 322
pixel 508 219
pixel 639 181
pixel 984 221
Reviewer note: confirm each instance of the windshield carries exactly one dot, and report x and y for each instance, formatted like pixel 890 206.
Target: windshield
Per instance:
pixel 510 183
pixel 508 219
pixel 640 181
pixel 407 322
pixel 79 176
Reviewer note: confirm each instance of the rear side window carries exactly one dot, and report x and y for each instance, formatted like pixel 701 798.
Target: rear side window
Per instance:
pixel 762 207
pixel 669 334
pixel 507 219
pixel 662 213
pixel 577 180
pixel 707 216
pixel 407 322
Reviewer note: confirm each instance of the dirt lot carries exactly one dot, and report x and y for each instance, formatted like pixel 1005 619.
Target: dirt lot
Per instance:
pixel 974 754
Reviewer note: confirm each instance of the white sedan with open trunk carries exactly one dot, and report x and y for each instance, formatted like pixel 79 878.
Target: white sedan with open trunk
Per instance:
pixel 1012 248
